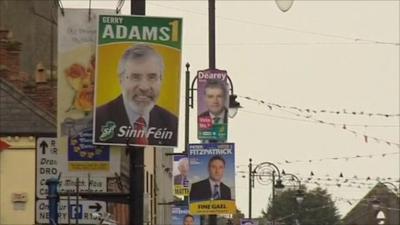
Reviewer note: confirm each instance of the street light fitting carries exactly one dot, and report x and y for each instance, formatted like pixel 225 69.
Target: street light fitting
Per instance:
pixel 300 192
pixel 259 172
pixel 233 103
pixel 279 187
pixel 279 184
pixel 233 106
pixel 376 204
pixel 293 178
pixel 284 5
pixel 263 172
pixel 300 196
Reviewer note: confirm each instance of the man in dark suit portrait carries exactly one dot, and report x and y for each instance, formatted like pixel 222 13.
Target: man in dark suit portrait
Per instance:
pixel 133 117
pixel 183 168
pixel 188 220
pixel 215 97
pixel 211 188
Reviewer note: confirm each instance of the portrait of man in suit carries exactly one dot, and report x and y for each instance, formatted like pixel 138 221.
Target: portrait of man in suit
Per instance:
pixel 188 220
pixel 183 168
pixel 134 116
pixel 211 188
pixel 246 222
pixel 215 98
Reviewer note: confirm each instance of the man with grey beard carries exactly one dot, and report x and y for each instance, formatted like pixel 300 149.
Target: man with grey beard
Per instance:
pixel 133 117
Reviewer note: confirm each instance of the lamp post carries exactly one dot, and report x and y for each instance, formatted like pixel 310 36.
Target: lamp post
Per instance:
pixel 260 173
pixel 284 5
pixel 299 194
pixel 189 103
pixel 375 204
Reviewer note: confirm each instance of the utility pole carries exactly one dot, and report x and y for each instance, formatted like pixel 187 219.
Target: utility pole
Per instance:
pixel 250 186
pixel 212 219
pixel 211 33
pixel 136 156
pixel 273 198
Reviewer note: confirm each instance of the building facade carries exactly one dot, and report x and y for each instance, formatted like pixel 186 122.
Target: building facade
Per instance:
pixel 380 206
pixel 28 103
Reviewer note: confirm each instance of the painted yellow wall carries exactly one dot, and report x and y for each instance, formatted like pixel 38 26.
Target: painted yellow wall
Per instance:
pixel 17 175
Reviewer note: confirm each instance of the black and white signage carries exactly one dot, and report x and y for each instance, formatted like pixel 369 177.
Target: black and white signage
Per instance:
pixel 50 163
pixel 83 211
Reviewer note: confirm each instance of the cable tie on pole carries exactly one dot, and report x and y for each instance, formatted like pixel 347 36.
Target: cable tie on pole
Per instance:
pixel 90 9
pixel 60 5
pixel 120 4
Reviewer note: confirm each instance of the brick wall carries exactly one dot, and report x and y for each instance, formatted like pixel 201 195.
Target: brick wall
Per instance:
pixel 42 92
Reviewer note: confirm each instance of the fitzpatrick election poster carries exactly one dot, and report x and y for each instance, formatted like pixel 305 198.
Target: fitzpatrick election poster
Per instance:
pixel 137 80
pixel 180 172
pixel 76 73
pixel 248 222
pixel 213 103
pixel 212 178
pixel 181 216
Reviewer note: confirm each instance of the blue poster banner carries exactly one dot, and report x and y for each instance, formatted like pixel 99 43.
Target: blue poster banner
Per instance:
pixel 212 178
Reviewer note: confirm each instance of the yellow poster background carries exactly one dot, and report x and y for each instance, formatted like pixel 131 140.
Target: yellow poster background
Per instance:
pixel 212 207
pixel 107 80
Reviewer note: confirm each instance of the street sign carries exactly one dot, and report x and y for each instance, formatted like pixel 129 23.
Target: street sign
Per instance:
pixel 47 164
pixel 50 162
pixel 83 211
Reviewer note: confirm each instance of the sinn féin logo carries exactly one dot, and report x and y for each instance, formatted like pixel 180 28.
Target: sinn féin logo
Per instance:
pixel 107 131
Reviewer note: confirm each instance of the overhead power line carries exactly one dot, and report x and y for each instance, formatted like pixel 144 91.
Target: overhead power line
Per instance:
pixel 233 44
pixel 289 29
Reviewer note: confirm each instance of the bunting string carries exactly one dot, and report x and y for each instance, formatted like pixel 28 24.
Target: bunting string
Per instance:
pixel 328 177
pixel 310 121
pixel 345 158
pixel 331 184
pixel 353 180
pixel 336 158
pixel 324 111
pixel 366 138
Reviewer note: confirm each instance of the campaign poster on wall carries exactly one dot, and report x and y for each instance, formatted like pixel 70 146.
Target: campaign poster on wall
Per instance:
pixel 181 216
pixel 137 80
pixel 75 93
pixel 212 178
pixel 248 222
pixel 180 174
pixel 212 104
